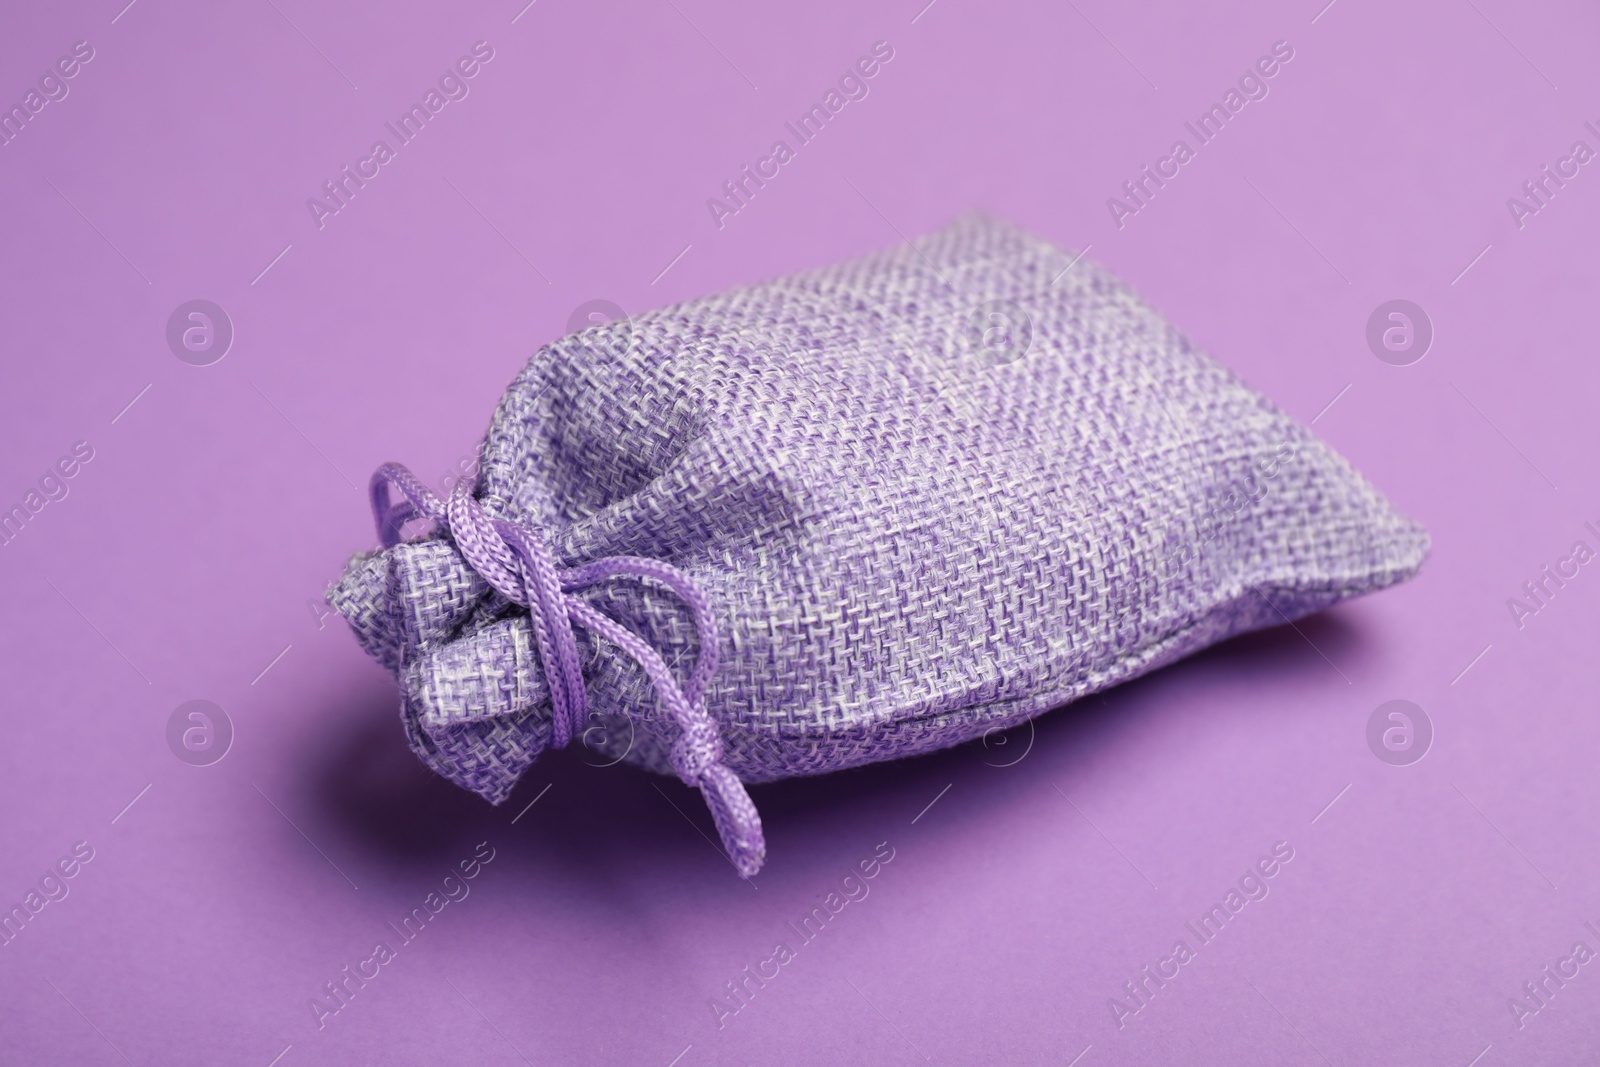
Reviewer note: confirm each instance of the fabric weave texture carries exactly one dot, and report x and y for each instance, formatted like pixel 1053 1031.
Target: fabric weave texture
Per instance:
pixel 926 494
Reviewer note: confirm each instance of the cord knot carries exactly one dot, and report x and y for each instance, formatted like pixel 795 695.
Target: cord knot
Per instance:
pixel 696 750
pixel 516 562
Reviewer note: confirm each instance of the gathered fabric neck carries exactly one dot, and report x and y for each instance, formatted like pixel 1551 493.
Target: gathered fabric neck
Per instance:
pixel 517 563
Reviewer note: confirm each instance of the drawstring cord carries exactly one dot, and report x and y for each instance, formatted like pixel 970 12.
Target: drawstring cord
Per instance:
pixel 515 561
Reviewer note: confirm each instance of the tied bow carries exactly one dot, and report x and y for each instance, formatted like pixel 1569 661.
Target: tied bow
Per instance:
pixel 515 561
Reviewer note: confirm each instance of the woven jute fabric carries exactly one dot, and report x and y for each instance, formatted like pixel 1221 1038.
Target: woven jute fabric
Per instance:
pixel 928 493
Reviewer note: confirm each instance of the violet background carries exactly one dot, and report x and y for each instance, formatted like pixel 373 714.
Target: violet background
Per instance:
pixel 224 500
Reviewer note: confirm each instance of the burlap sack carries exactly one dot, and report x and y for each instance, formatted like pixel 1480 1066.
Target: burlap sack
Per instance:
pixel 847 516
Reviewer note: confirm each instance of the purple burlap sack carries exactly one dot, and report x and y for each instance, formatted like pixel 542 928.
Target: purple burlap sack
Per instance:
pixel 851 515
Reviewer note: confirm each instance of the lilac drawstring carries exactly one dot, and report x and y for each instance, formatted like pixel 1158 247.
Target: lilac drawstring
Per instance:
pixel 515 561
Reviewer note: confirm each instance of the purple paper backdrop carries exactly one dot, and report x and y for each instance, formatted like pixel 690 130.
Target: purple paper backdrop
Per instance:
pixel 187 557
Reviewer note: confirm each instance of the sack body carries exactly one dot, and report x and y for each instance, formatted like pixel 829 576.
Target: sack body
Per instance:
pixel 854 514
